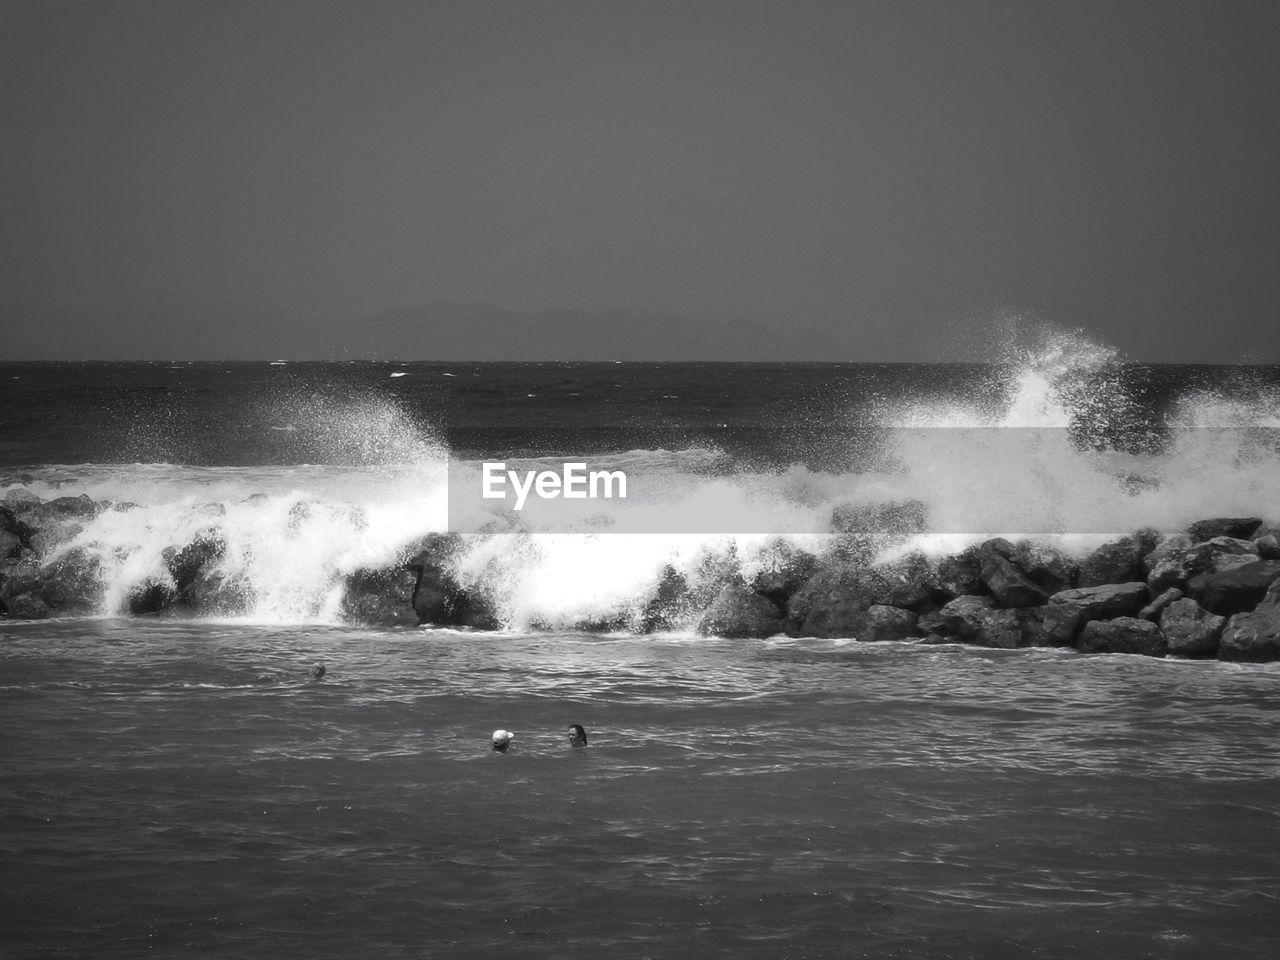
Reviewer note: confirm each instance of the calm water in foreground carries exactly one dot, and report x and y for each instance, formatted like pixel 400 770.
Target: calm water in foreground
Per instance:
pixel 182 789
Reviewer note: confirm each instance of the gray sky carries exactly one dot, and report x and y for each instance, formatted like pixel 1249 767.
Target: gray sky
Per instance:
pixel 886 174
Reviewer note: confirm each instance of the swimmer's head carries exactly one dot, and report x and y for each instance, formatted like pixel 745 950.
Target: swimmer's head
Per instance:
pixel 502 739
pixel 577 735
pixel 317 672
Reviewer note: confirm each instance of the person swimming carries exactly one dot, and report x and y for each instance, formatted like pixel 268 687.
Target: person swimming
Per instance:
pixel 502 740
pixel 317 672
pixel 577 735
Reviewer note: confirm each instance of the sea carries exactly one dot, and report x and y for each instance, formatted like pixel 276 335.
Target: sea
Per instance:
pixel 184 787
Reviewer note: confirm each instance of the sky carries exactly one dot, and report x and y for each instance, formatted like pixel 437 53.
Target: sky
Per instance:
pixel 869 181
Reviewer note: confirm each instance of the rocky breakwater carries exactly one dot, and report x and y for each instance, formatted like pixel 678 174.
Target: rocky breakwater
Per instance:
pixel 1212 590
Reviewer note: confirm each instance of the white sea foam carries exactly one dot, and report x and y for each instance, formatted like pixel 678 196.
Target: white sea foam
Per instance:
pixel 1024 464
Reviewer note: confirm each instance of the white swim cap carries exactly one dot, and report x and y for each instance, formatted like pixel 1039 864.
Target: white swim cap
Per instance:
pixel 502 736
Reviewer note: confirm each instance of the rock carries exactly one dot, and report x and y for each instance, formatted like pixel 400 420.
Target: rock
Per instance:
pixel 1190 630
pixel 67 586
pixel 218 594
pixel 669 605
pixel 381 597
pixel 740 612
pixel 18 496
pixel 151 597
pixel 1069 610
pixel 1212 556
pixel 1119 561
pixel 438 598
pixel 1254 637
pixel 1008 583
pixel 1153 609
pixel 1240 528
pixel 10 544
pixel 1237 590
pixel 25 606
pixel 882 623
pixel 786 574
pixel 1165 549
pixel 1049 568
pixel 1122 635
pixel 961 575
pixel 831 603
pixel 964 616
pixel 185 564
pixel 1268 546
pixel 1002 629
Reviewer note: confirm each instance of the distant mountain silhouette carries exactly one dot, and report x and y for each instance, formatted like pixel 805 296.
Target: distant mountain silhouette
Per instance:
pixel 435 331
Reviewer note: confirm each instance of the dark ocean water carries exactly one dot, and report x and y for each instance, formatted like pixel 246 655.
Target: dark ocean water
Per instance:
pixel 180 788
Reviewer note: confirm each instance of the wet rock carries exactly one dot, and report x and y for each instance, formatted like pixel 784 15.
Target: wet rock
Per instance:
pixel 1254 637
pixel 1008 583
pixel 1190 630
pixel 1237 590
pixel 830 604
pixel 786 573
pixel 1119 561
pixel 670 604
pixel 740 612
pixel 1166 548
pixel 961 575
pixel 18 496
pixel 382 597
pixel 964 616
pixel 1239 528
pixel 1268 546
pixel 1069 611
pixel 1048 567
pixel 66 586
pixel 884 623
pixel 439 598
pixel 186 563
pixel 1122 635
pixel 1212 556
pixel 151 597
pixel 1153 609
pixel 10 544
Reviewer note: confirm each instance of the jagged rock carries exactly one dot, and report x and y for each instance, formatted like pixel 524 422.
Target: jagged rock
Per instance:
pixel 961 575
pixel 1166 548
pixel 910 583
pixel 1048 567
pixel 1239 528
pixel 19 496
pixel 1237 590
pixel 1122 635
pixel 1191 631
pixel 151 597
pixel 439 598
pixel 186 564
pixel 1268 546
pixel 964 616
pixel 1254 637
pixel 740 612
pixel 10 544
pixel 882 623
pixel 1212 556
pixel 381 597
pixel 1119 561
pixel 1153 610
pixel 669 605
pixel 977 620
pixel 785 575
pixel 1068 611
pixel 1008 583
pixel 931 622
pixel 830 604
pixel 66 586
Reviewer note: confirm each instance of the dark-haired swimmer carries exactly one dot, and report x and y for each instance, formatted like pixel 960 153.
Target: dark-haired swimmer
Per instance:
pixel 317 672
pixel 577 735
